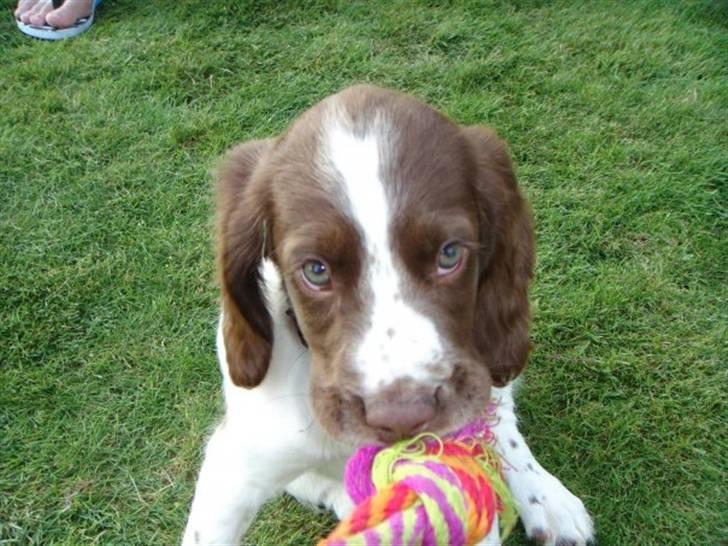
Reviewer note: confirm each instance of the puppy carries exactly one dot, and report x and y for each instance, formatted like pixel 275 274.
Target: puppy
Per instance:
pixel 374 261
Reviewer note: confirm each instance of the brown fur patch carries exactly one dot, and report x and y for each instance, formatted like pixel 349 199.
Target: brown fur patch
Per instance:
pixel 444 183
pixel 242 210
pixel 501 323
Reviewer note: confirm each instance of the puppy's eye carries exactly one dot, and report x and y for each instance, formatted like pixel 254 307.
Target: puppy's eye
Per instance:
pixel 316 274
pixel 450 258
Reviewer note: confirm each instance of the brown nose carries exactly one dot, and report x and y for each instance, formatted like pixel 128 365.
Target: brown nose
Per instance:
pixel 398 413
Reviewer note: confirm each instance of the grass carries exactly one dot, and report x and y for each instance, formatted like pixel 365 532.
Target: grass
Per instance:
pixel 616 116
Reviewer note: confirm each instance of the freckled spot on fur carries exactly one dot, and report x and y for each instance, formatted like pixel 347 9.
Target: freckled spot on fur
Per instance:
pixel 397 297
pixel 533 500
pixel 513 443
pixel 197 537
pixel 390 333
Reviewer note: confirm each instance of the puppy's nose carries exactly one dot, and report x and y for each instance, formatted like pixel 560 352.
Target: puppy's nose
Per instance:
pixel 395 414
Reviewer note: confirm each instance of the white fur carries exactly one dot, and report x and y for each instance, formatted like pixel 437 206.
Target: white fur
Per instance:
pixel 557 515
pixel 269 441
pixel 399 341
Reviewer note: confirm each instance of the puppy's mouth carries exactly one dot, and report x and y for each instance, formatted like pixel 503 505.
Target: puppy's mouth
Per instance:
pixel 347 417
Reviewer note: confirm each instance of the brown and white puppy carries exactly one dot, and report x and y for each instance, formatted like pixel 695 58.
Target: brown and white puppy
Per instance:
pixel 374 262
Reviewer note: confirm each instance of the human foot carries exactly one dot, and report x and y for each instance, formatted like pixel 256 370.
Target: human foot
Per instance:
pixel 41 12
pixel 40 19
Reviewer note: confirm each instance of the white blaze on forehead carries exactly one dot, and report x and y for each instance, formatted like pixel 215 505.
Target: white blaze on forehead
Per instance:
pixel 399 341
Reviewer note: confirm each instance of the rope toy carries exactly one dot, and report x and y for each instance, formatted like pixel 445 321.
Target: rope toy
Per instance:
pixel 427 491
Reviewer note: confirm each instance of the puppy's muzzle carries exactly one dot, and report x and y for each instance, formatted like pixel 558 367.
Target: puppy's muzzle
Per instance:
pixel 398 412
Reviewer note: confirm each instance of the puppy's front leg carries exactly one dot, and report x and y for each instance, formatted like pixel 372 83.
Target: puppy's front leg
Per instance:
pixel 550 513
pixel 318 490
pixel 231 487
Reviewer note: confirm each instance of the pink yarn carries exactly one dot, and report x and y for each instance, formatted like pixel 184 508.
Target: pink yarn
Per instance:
pixel 358 471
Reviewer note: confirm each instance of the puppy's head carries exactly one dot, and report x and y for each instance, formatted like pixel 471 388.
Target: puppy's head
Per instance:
pixel 405 249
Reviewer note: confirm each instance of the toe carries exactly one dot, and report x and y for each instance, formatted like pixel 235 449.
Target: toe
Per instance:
pixel 24 6
pixel 31 8
pixel 38 13
pixel 538 534
pixel 537 525
pixel 577 519
pixel 69 13
pixel 584 523
pixel 566 521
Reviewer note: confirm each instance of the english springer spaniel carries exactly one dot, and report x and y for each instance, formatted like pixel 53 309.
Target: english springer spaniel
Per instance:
pixel 374 261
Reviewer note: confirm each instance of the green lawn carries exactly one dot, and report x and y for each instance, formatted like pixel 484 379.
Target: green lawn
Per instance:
pixel 616 115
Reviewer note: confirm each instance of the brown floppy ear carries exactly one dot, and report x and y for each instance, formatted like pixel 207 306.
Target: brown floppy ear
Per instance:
pixel 242 208
pixel 506 259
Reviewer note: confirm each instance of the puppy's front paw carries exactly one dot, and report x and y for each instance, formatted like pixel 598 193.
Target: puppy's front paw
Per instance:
pixel 318 490
pixel 339 502
pixel 551 514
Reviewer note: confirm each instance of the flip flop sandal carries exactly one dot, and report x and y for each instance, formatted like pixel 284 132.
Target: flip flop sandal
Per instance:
pixel 47 32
